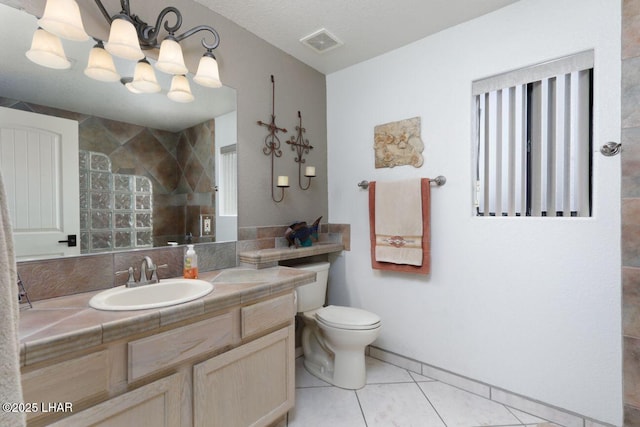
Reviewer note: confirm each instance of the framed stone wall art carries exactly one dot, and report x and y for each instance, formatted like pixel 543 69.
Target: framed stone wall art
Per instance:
pixel 398 143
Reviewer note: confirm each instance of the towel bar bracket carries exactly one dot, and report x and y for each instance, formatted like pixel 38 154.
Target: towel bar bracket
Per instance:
pixel 364 185
pixel 438 180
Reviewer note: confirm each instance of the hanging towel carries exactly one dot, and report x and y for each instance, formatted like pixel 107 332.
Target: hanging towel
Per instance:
pixel 399 225
pixel 10 387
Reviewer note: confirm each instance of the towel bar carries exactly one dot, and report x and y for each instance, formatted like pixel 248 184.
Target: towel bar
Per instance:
pixel 439 180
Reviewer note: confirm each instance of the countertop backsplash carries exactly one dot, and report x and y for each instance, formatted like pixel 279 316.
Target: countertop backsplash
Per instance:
pixel 51 278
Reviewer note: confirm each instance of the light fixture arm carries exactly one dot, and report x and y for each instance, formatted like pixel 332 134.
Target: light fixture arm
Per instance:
pixel 104 12
pixel 148 35
pixel 124 4
pixel 209 47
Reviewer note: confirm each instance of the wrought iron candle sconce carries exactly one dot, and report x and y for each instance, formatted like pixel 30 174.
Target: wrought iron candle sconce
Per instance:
pixel 302 146
pixel 272 145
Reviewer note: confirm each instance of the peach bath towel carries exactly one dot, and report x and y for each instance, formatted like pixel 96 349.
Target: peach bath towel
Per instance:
pixel 399 215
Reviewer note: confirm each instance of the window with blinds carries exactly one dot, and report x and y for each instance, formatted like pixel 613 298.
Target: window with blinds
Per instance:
pixel 533 140
pixel 228 187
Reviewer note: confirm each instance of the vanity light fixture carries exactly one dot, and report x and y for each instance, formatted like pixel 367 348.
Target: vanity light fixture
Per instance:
pixel 129 37
pixel 62 18
pixel 101 66
pixel 144 78
pixel 272 145
pixel 46 50
pixel 180 90
pixel 302 146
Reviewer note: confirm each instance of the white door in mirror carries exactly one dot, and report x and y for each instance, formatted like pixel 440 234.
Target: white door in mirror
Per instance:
pixel 39 165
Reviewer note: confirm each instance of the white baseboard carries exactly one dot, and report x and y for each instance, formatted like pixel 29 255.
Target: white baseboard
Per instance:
pixel 521 403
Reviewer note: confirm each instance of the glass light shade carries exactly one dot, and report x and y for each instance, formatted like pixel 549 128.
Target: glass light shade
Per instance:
pixel 170 59
pixel 207 74
pixel 62 18
pixel 180 90
pixel 46 50
pixel 144 78
pixel 123 40
pixel 131 89
pixel 100 66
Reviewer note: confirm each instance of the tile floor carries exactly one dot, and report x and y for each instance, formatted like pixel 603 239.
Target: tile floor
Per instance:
pixel 394 396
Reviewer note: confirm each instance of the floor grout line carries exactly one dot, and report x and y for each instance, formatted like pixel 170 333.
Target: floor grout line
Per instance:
pixel 364 418
pixel 431 404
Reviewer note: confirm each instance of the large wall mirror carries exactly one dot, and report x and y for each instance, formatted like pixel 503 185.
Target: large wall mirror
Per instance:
pixel 151 171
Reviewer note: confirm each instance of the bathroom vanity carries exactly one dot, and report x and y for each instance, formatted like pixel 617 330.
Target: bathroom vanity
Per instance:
pixel 226 359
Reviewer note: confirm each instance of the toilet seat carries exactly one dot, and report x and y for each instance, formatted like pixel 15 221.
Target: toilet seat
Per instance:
pixel 347 318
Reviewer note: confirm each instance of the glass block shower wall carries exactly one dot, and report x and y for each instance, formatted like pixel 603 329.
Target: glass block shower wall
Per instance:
pixel 115 209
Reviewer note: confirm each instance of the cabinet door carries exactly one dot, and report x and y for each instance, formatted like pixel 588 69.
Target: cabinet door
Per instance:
pixel 252 385
pixel 79 381
pixel 156 404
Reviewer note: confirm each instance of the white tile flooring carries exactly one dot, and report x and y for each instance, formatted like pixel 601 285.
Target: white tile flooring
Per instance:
pixel 395 396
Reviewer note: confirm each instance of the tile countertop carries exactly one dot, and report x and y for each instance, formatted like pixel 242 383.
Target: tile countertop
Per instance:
pixel 67 324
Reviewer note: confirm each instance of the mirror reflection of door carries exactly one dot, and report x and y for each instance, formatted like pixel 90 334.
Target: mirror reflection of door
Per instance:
pixel 39 166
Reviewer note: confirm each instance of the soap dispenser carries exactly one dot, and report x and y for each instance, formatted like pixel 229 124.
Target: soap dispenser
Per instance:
pixel 190 263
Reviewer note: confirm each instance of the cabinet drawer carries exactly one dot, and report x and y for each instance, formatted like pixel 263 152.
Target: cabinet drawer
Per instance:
pixel 155 404
pixel 160 351
pixel 266 315
pixel 81 379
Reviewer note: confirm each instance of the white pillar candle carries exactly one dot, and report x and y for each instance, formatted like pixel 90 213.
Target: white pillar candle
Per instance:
pixel 310 171
pixel 283 181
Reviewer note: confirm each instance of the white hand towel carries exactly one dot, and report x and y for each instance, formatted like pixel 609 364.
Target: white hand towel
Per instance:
pixel 398 222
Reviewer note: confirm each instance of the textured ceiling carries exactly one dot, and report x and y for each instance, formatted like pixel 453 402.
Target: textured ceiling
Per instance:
pixel 367 28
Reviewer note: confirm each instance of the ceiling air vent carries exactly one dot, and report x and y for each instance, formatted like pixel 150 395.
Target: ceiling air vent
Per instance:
pixel 321 41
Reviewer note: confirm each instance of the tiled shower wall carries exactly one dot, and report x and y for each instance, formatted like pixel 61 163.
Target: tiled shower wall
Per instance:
pixel 115 209
pixel 631 208
pixel 180 166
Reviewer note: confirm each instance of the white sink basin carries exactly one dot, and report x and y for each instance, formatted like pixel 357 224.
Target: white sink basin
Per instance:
pixel 167 292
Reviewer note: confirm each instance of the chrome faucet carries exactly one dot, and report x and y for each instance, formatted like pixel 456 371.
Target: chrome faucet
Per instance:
pixel 147 262
pixel 131 280
pixel 147 265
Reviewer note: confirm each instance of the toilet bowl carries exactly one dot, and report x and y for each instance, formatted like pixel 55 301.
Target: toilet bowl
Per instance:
pixel 334 338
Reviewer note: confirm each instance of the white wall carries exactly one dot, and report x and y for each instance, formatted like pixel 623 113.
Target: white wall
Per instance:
pixel 531 305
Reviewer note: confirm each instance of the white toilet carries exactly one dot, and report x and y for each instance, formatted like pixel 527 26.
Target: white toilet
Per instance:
pixel 333 338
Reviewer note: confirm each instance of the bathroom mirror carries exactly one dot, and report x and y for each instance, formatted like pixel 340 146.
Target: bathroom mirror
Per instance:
pixel 142 136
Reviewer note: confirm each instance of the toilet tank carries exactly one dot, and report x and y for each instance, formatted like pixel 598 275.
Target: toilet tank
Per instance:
pixel 312 295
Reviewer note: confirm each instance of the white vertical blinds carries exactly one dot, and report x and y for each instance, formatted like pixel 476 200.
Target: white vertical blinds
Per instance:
pixel 533 140
pixel 228 188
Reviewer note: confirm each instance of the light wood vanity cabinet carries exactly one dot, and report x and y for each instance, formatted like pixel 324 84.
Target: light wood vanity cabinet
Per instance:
pixel 155 404
pixel 81 381
pixel 254 384
pixel 233 369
